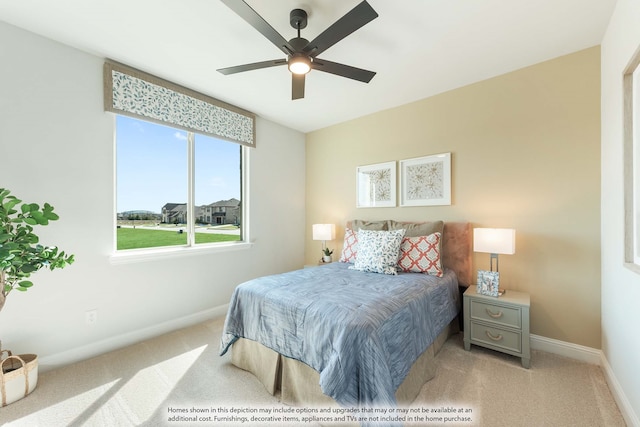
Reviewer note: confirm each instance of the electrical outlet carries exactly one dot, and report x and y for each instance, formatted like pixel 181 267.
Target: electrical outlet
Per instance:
pixel 91 317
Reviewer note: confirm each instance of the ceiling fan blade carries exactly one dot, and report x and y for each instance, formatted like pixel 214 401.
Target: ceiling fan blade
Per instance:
pixel 343 70
pixel 297 86
pixel 359 16
pixel 254 66
pixel 251 16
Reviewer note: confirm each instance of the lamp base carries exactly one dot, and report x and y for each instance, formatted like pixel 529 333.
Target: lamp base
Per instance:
pixel 493 256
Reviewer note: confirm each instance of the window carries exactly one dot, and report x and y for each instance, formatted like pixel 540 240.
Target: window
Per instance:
pixel 179 183
pixel 175 188
pixel 632 163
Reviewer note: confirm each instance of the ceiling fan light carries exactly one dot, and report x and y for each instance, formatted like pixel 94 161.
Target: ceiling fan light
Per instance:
pixel 299 64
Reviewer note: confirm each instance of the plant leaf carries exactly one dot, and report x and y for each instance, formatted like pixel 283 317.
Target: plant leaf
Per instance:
pixel 51 216
pixel 28 268
pixel 10 203
pixel 5 255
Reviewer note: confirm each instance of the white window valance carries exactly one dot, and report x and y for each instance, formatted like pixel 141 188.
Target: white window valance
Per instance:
pixel 134 93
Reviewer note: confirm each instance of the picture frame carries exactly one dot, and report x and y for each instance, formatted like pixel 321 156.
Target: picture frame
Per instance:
pixel 426 181
pixel 376 185
pixel 488 283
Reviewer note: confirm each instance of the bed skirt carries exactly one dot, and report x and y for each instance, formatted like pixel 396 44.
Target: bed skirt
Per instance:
pixel 298 383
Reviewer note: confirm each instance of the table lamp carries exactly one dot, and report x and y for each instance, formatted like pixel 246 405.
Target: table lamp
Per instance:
pixel 324 232
pixel 494 241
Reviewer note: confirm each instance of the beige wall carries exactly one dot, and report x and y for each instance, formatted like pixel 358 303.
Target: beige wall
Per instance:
pixel 525 154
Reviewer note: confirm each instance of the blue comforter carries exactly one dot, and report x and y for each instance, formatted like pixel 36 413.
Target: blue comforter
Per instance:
pixel 360 331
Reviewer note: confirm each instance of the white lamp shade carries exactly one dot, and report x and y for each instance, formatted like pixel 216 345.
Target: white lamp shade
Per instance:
pixel 494 240
pixel 324 231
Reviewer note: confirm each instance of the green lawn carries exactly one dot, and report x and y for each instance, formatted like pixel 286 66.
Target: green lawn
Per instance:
pixel 136 238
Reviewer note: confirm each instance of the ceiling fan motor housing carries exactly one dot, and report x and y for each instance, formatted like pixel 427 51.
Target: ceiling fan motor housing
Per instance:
pixel 298 43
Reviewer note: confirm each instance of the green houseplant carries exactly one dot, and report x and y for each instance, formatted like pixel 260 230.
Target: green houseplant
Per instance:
pixel 326 255
pixel 20 251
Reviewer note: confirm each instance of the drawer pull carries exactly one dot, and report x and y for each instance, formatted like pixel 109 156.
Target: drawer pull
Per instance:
pixel 494 315
pixel 491 337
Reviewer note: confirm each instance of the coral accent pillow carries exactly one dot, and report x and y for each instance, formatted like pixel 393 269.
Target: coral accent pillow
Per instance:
pixel 421 255
pixel 378 251
pixel 350 248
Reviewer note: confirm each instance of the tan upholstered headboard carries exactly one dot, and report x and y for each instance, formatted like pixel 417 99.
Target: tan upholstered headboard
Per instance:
pixel 457 253
pixel 457 250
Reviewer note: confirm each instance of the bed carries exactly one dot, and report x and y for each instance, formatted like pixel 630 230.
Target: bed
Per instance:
pixel 333 335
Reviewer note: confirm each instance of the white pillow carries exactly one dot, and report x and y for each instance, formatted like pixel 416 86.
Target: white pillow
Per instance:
pixel 378 251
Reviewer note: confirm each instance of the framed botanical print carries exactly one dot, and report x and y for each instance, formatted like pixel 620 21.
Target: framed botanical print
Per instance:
pixel 426 181
pixel 376 185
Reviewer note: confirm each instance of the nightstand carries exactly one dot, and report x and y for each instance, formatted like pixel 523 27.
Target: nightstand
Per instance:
pixel 499 323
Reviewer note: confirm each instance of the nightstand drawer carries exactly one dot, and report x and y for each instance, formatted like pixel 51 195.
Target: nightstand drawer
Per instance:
pixel 495 337
pixel 499 314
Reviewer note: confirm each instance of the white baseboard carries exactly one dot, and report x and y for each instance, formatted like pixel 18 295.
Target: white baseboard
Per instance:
pixel 64 358
pixel 628 413
pixel 563 348
pixel 595 357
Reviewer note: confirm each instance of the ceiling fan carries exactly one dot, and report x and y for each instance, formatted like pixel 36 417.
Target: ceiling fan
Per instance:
pixel 302 55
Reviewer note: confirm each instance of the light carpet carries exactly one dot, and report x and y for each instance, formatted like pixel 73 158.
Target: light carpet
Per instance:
pixel 145 384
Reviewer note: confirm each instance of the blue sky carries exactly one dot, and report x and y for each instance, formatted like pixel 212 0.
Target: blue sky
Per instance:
pixel 151 167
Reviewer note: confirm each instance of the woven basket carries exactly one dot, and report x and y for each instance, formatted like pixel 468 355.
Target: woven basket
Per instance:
pixel 18 376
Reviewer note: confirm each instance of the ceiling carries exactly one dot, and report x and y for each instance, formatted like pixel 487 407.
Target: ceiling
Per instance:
pixel 417 47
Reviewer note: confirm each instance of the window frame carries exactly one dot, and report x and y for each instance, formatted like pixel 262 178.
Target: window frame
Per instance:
pixel 191 248
pixel 631 155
